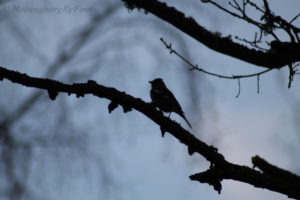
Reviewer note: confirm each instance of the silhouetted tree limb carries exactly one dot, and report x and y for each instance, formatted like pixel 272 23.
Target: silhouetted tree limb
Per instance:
pixel 274 58
pixel 274 171
pixel 216 174
pixel 220 168
pixel 197 68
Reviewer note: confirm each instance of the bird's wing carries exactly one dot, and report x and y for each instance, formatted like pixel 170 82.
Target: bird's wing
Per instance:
pixel 173 100
pixel 176 105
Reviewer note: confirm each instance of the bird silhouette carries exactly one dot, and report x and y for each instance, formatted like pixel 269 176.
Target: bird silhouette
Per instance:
pixel 164 99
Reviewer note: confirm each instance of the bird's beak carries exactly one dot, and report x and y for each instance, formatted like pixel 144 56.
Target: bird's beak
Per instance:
pixel 150 82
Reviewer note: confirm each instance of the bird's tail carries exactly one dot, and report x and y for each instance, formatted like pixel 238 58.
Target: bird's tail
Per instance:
pixel 183 116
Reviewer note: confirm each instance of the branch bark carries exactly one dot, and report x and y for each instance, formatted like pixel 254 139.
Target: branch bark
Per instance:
pixel 272 59
pixel 220 168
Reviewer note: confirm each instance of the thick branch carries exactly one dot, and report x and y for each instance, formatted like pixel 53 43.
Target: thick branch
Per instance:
pixel 248 175
pixel 220 168
pixel 274 171
pixel 224 45
pixel 117 98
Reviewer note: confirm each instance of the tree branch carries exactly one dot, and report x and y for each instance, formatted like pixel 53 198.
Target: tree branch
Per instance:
pixel 272 170
pixel 220 168
pixel 214 41
pixel 248 175
pixel 196 67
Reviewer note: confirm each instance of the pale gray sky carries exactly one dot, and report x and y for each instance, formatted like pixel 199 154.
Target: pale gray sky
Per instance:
pixel 96 155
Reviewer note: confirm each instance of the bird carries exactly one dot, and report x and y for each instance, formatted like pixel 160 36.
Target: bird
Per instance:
pixel 164 99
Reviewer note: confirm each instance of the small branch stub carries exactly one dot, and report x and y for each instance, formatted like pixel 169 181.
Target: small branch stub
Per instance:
pixel 52 94
pixel 126 108
pixel 163 131
pixel 112 106
pixel 210 177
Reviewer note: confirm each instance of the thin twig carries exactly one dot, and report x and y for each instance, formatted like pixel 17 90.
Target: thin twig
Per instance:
pixel 294 18
pixel 258 84
pixel 239 91
pixel 236 6
pixel 252 43
pixel 196 67
pixel 291 76
pixel 255 6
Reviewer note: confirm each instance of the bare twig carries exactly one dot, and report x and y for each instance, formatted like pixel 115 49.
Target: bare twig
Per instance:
pixel 294 18
pixel 196 67
pixel 272 21
pixel 252 43
pixel 257 84
pixel 239 90
pixel 245 17
pixel 291 75
pixel 255 6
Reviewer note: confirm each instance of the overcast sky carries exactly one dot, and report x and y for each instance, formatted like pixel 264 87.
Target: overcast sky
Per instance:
pixel 92 154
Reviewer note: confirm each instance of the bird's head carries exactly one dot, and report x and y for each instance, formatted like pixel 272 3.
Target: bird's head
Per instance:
pixel 157 82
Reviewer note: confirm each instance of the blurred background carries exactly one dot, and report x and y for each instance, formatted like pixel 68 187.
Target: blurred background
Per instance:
pixel 72 148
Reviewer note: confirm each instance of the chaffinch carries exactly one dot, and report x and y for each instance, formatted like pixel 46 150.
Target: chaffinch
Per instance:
pixel 164 99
